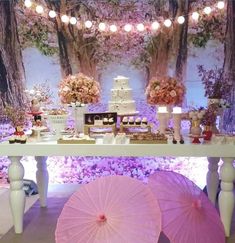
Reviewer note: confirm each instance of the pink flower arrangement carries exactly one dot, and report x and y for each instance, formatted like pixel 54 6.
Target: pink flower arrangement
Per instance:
pixel 79 88
pixel 165 91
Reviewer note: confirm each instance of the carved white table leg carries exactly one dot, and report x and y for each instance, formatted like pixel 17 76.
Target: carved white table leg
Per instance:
pixel 226 197
pixel 42 179
pixel 212 178
pixel 17 194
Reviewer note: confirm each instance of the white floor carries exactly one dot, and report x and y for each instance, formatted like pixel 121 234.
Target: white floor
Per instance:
pixel 60 190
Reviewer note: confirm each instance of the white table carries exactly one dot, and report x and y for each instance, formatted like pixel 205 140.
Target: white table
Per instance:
pixel 42 150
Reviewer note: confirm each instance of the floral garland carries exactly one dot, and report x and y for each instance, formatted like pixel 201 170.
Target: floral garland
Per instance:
pixel 79 88
pixel 165 91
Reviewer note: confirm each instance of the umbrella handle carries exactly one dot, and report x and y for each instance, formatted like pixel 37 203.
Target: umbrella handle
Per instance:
pixel 102 218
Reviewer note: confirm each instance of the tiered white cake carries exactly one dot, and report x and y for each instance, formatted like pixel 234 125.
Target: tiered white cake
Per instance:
pixel 121 97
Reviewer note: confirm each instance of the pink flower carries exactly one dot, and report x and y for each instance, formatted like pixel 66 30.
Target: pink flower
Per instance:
pixel 173 93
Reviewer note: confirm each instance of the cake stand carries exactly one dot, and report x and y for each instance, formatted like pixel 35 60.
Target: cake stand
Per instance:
pixel 38 130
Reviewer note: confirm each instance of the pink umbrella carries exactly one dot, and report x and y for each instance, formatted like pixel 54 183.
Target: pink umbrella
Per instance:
pixel 113 209
pixel 187 214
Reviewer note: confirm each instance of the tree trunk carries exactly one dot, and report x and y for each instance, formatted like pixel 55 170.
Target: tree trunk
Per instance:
pixel 65 65
pixel 182 49
pixel 12 76
pixel 229 64
pixel 75 52
pixel 171 43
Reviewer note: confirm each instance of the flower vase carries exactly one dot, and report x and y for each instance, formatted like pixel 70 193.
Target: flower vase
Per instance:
pixel 162 116
pixel 195 128
pixel 207 132
pixel 79 112
pixel 177 126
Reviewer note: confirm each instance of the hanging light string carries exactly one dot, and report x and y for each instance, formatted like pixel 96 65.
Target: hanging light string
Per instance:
pixel 128 27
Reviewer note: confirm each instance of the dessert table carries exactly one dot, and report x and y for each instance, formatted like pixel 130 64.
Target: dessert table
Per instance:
pixel 214 152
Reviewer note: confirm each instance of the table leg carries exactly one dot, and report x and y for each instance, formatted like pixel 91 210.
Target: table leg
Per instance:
pixel 212 178
pixel 17 194
pixel 226 196
pixel 42 179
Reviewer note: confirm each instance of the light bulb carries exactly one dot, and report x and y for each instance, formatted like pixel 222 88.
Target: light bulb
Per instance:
pixel 220 5
pixel 39 9
pixel 27 3
pixel 102 26
pixel 52 14
pixel 140 27
pixel 128 27
pixel 195 16
pixel 64 18
pixel 113 28
pixel 207 10
pixel 181 19
pixel 88 24
pixel 155 25
pixel 167 23
pixel 73 20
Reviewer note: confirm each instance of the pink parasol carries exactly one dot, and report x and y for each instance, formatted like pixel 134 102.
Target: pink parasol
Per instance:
pixel 187 214
pixel 113 209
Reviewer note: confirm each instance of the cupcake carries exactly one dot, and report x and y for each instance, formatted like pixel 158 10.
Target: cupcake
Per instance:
pixel 105 121
pixel 23 139
pixel 12 140
pixel 138 121
pixel 111 121
pixel 131 120
pixel 18 139
pixel 125 120
pixel 144 121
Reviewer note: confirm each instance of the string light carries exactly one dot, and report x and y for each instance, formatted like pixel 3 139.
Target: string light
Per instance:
pixel 52 14
pixel 102 26
pixel 27 3
pixel 73 20
pixel 88 24
pixel 220 5
pixel 113 28
pixel 195 16
pixel 64 18
pixel 39 9
pixel 207 10
pixel 128 27
pixel 167 23
pixel 181 19
pixel 155 26
pixel 140 27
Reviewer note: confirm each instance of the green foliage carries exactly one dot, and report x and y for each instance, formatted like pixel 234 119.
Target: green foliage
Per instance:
pixel 37 35
pixel 208 28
